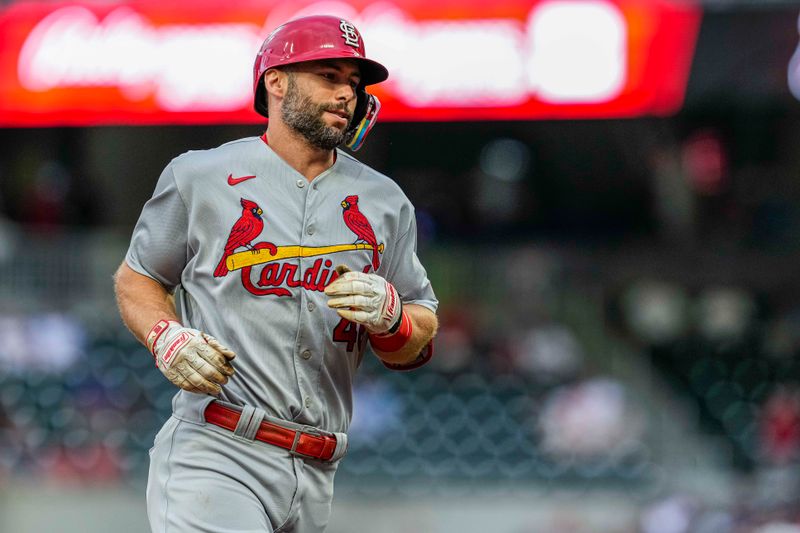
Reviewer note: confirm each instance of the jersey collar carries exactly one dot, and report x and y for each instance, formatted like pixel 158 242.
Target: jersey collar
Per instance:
pixel 264 138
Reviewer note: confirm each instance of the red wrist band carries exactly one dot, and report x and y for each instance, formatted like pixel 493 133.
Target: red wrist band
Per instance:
pixel 155 332
pixel 395 341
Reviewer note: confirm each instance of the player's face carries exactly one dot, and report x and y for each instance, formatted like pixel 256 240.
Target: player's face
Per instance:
pixel 320 100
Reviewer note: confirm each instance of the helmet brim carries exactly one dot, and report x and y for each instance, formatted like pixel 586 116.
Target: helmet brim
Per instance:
pixel 372 72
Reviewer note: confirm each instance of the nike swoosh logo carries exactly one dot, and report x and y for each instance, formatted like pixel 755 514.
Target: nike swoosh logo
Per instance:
pixel 235 181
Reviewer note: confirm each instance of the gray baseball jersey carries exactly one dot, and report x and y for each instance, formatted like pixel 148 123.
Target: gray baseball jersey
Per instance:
pixel 248 245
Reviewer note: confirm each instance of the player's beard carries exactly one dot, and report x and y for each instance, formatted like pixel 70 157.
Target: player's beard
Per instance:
pixel 305 117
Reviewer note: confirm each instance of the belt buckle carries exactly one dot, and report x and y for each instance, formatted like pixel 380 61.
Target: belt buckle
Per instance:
pixel 311 431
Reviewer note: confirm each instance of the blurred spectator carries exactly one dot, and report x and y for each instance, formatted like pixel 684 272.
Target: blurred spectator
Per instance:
pixel 724 315
pixel 13 349
pixel 782 336
pixel 530 277
pixel 656 312
pixel 376 409
pixel 674 203
pixel 672 515
pixel 60 341
pixel 780 426
pixel 54 197
pixel 549 353
pixel 83 462
pixel 455 341
pixel 498 194
pixel 705 162
pixel 590 419
pixel 44 201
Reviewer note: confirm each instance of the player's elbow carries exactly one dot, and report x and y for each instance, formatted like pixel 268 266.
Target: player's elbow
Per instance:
pixel 130 285
pixel 116 278
pixel 122 279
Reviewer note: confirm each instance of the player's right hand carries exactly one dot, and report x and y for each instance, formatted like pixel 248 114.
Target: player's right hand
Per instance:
pixel 191 359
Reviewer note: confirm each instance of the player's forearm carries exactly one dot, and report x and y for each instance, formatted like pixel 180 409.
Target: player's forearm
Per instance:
pixel 423 329
pixel 142 301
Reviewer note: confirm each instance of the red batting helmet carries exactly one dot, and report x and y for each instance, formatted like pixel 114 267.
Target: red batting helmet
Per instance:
pixel 321 37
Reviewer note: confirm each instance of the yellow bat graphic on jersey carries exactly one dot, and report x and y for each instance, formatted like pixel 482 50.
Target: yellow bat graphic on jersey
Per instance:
pixel 258 257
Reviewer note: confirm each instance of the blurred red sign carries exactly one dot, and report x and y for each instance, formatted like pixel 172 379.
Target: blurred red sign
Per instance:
pixel 181 62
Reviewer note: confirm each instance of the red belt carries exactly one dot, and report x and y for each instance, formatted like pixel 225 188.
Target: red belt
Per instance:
pixel 308 442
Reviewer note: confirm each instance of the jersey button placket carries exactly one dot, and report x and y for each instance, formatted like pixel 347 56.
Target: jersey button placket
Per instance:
pixel 305 368
pixel 310 228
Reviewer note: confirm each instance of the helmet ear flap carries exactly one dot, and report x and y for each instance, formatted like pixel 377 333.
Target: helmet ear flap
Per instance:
pixel 361 107
pixel 364 118
pixel 260 100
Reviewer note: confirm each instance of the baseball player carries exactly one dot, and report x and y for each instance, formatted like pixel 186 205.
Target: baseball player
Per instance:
pixel 285 256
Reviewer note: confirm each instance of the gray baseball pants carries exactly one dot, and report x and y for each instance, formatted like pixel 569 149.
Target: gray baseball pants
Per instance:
pixel 204 479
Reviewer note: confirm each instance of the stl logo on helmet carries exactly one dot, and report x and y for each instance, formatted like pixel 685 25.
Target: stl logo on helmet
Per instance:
pixel 349 34
pixel 278 273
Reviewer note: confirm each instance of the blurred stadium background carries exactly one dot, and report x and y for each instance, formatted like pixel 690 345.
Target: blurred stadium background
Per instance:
pixel 608 198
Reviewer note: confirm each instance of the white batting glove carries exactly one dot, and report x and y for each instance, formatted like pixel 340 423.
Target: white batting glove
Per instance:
pixel 191 359
pixel 366 299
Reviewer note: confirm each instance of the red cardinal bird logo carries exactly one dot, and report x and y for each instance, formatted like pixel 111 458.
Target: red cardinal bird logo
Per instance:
pixel 359 225
pixel 247 228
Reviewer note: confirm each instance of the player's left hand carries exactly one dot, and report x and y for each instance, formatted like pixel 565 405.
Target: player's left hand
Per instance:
pixel 366 299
